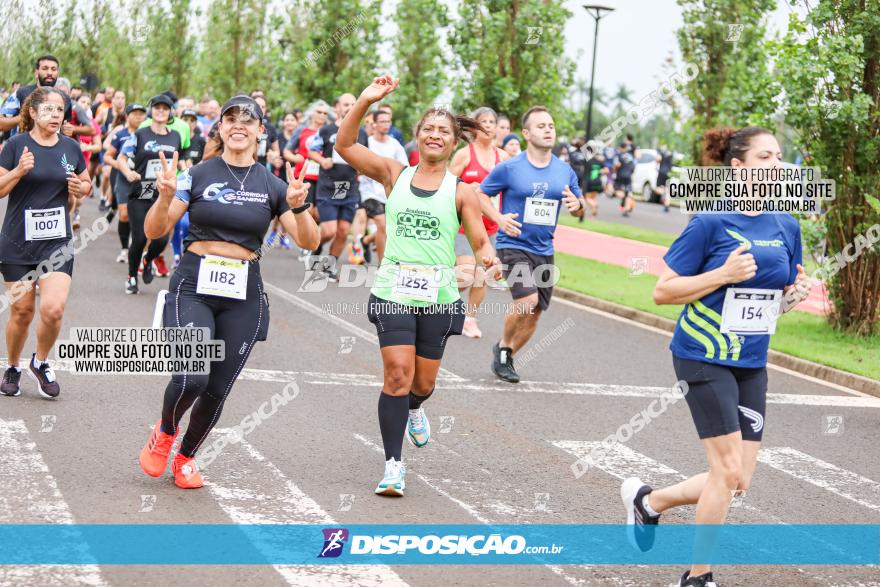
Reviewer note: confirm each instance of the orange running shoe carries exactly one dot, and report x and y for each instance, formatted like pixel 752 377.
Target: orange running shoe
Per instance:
pixel 186 474
pixel 154 455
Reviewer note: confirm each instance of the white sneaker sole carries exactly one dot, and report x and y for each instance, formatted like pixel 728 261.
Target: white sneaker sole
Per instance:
pixel 390 490
pixel 628 491
pixel 39 387
pixel 16 394
pixel 412 440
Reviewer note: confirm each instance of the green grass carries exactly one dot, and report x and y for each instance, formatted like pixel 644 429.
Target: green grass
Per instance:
pixel 635 233
pixel 799 334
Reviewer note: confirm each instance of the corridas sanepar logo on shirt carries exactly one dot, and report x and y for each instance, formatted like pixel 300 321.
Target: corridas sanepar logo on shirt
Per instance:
pixel 218 192
pixel 155 147
pixel 68 167
pixel 418 224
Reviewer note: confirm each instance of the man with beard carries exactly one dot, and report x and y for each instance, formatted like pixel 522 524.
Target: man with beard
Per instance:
pixel 45 74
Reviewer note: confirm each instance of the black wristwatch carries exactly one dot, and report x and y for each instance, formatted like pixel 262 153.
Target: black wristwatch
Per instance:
pixel 302 208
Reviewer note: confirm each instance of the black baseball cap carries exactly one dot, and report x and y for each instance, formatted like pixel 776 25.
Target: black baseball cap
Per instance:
pixel 189 112
pixel 161 99
pixel 171 95
pixel 132 107
pixel 245 103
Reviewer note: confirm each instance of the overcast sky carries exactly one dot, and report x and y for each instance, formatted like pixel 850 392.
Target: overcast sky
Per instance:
pixel 634 40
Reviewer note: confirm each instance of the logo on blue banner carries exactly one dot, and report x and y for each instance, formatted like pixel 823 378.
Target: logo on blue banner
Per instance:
pixel 334 540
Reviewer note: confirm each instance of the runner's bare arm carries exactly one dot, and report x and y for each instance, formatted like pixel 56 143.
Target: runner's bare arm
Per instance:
pixel 673 288
pixel 9 123
pixel 459 162
pixel 374 166
pixel 10 178
pixel 468 205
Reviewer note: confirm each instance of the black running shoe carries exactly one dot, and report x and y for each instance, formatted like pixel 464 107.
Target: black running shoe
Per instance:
pixel 45 378
pixel 502 364
pixel 641 526
pixel 147 274
pixel 332 275
pixel 131 286
pixel 111 214
pixel 102 205
pixel 704 580
pixel 10 384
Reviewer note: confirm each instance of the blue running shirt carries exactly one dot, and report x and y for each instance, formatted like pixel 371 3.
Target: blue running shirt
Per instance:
pixel 704 245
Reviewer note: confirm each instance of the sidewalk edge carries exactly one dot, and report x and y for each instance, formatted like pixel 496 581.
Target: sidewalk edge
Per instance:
pixel 823 372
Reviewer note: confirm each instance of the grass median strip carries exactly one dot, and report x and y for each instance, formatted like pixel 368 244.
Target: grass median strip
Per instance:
pixel 799 334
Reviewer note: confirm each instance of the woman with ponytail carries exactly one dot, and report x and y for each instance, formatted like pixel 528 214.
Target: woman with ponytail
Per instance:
pixel 44 174
pixel 719 268
pixel 415 303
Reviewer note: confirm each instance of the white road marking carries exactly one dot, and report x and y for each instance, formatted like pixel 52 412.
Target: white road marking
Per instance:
pixel 668 334
pixel 841 482
pixel 475 513
pixel 336 320
pixel 252 490
pixel 451 382
pixel 620 461
pixel 31 496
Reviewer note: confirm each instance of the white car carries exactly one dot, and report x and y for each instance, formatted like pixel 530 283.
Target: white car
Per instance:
pixel 644 178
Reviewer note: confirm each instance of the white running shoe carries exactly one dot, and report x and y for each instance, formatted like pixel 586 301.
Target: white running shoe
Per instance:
pixel 418 429
pixel 122 257
pixel 393 483
pixel 641 526
pixel 471 329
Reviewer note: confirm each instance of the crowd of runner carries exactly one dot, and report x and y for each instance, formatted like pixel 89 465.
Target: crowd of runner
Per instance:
pixel 338 182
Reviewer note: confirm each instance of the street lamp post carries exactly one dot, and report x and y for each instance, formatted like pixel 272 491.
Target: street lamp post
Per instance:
pixel 597 12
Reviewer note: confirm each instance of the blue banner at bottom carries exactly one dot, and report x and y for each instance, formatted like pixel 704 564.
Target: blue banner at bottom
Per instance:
pixel 520 544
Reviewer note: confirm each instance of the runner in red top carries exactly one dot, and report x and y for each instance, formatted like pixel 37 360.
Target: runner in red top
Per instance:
pixel 472 164
pixel 315 118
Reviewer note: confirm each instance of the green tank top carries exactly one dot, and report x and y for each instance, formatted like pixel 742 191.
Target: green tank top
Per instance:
pixel 419 264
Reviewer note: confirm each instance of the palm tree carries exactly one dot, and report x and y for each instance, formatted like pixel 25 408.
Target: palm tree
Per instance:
pixel 622 97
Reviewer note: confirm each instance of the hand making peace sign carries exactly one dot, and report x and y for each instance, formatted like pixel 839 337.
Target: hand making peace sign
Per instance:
pixel 296 189
pixel 167 180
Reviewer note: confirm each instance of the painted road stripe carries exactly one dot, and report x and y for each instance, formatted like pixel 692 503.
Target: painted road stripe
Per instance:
pixel 31 496
pixel 802 466
pixel 668 334
pixel 454 383
pixel 620 461
pixel 474 512
pixel 336 320
pixel 252 490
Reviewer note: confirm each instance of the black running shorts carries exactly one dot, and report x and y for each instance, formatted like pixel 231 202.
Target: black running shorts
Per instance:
pixel 427 328
pixel 724 399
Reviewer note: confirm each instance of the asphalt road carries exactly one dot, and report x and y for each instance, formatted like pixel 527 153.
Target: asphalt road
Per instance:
pixel 500 453
pixel 646 215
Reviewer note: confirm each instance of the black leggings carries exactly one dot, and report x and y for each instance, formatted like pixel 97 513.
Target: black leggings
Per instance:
pixel 239 323
pixel 137 214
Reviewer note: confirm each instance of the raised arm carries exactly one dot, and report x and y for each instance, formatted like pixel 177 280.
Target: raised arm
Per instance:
pixel 381 169
pixel 673 288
